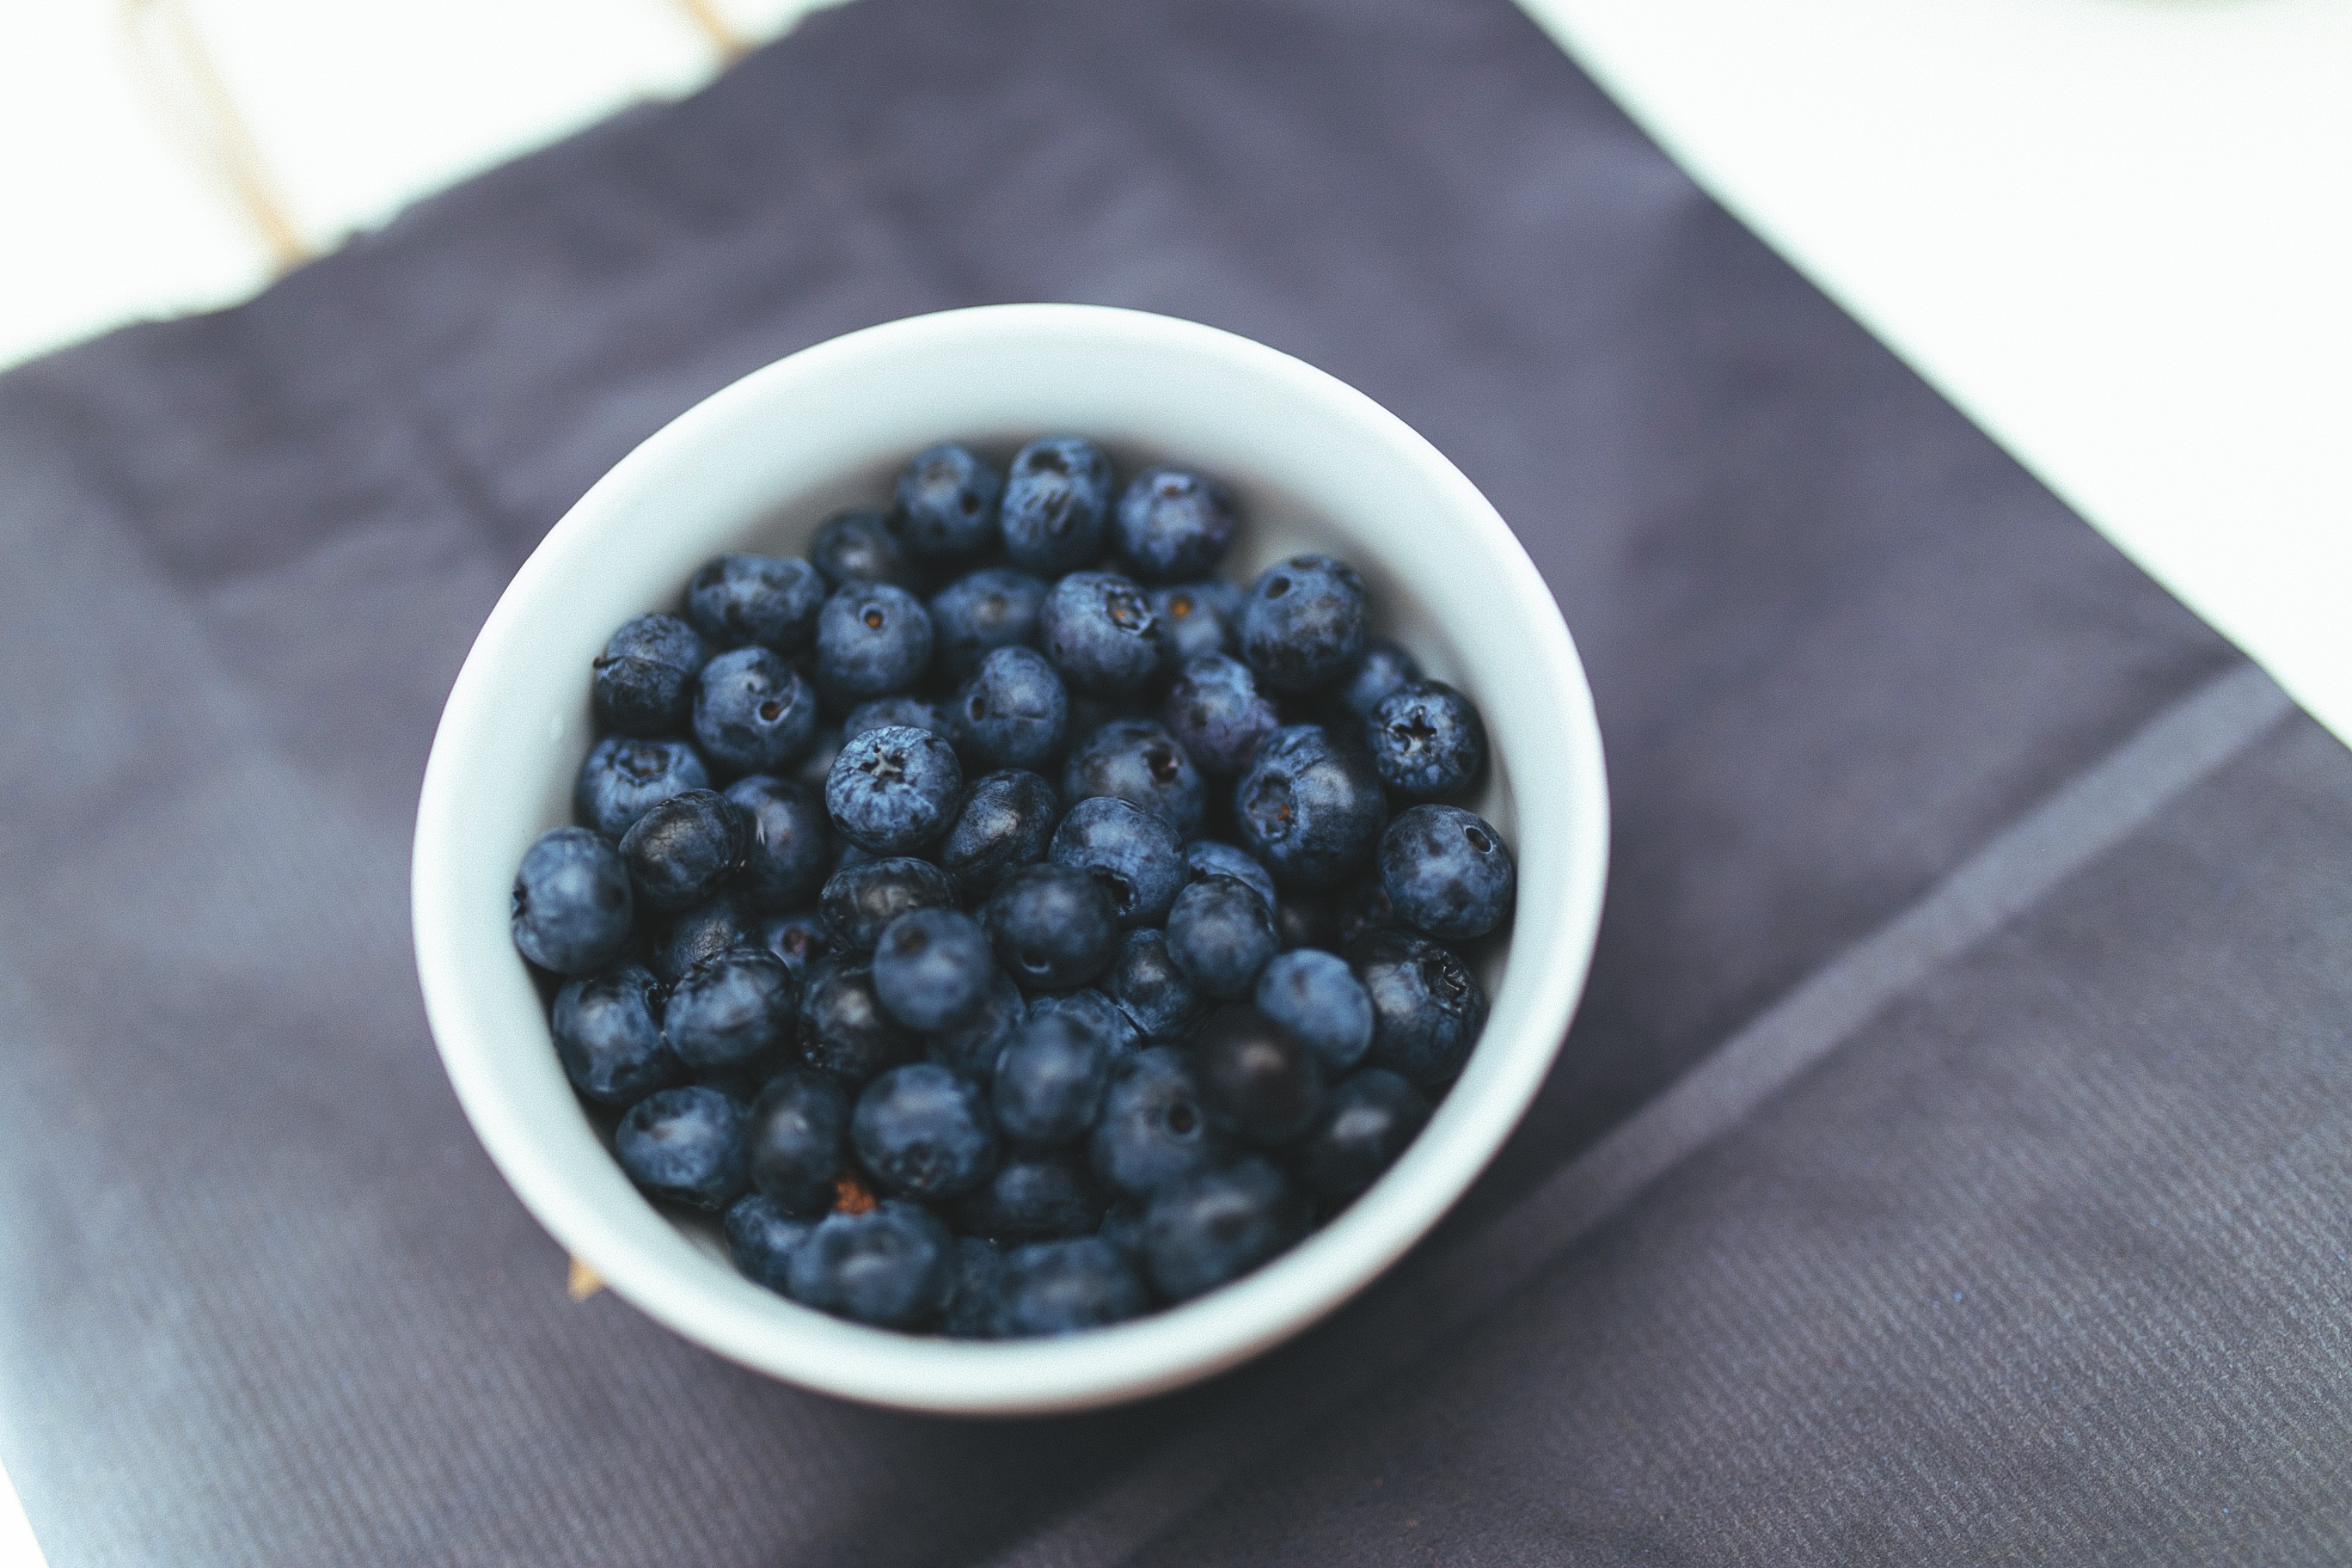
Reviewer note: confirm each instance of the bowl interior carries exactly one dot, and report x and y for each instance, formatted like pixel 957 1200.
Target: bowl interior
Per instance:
pixel 759 466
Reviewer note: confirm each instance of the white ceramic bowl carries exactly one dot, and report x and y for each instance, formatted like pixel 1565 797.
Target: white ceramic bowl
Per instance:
pixel 759 465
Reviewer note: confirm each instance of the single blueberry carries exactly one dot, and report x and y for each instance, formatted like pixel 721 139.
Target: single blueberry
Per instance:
pixel 1056 496
pixel 1362 909
pixel 766 599
pixel 1445 870
pixel 644 680
pixel 1173 526
pixel 1096 1011
pixel 1062 1287
pixel 1196 619
pixel 1310 809
pixel 1133 853
pixel 990 608
pixel 1005 821
pixel 945 505
pixel 1013 712
pixel 685 1145
pixel 861 900
pixel 891 1266
pixel 608 1037
pixel 972 1048
pixel 891 789
pixel 573 907
pixel 705 931
pixel 625 775
pixel 732 1011
pixel 924 1131
pixel 859 547
pixel 1033 1194
pixel 1365 1123
pixel 1220 934
pixel 1302 622
pixel 1259 1081
pixel 881 712
pixel 872 639
pixel 1152 1129
pixel 1380 668
pixel 795 1139
pixel 1100 632
pixel 1215 711
pixel 799 939
pixel 683 849
pixel 973 1294
pixel 1148 986
pixel 1209 857
pixel 792 842
pixel 844 1029
pixel 762 1239
pixel 1054 928
pixel 752 711
pixel 1207 1229
pixel 1427 1007
pixel 1137 761
pixel 1303 919
pixel 1317 997
pixel 1050 1079
pixel 933 969
pixel 1426 739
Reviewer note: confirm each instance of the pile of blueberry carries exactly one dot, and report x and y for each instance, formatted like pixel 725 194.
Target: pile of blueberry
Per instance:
pixel 1064 944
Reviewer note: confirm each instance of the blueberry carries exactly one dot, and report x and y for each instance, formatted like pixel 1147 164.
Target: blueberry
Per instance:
pixel 990 608
pixel 1173 526
pixel 1445 871
pixel 1258 1081
pixel 1379 670
pixel 1303 920
pixel 924 1131
pixel 1220 934
pixel 891 1266
pixel 1062 1287
pixel 859 547
pixel 762 1239
pixel 1427 1007
pixel 1152 1129
pixel 572 905
pixel 795 1139
pixel 933 969
pixel 972 1048
pixel 683 849
pixel 706 930
pixel 1005 821
pixel 891 789
pixel 1096 1011
pixel 872 639
pixel 844 1029
pixel 1362 909
pixel 1215 711
pixel 608 1037
pixel 1309 809
pixel 731 1011
pixel 1050 1079
pixel 1204 1230
pixel 881 712
pixel 1054 928
pixel 1013 712
pixel 739 599
pixel 1302 622
pixel 1100 632
pixel 792 842
pixel 973 1293
pixel 625 775
pixel 945 505
pixel 1149 988
pixel 1137 761
pixel 799 939
pixel 1133 853
pixel 1033 1194
pixel 1208 858
pixel 1196 619
pixel 1426 739
pixel 1317 998
pixel 860 899
pixel 1365 1123
pixel 685 1145
pixel 1055 497
pixel 645 678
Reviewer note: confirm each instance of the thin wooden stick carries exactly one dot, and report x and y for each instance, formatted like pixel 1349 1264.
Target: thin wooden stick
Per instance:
pixel 731 44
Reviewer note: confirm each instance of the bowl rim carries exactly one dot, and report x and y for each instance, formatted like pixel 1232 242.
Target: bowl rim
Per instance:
pixel 1166 1350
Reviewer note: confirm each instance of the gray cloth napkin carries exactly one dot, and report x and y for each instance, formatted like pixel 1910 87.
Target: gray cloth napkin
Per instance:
pixel 1948 1163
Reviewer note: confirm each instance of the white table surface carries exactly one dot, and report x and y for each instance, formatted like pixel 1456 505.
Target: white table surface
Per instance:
pixel 2117 233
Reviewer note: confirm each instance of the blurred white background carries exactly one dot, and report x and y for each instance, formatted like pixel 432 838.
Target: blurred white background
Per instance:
pixel 2118 233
